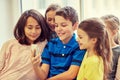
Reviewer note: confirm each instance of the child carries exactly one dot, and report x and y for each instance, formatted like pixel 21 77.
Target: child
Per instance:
pixel 61 57
pixel 112 26
pixel 50 18
pixel 15 63
pixel 93 37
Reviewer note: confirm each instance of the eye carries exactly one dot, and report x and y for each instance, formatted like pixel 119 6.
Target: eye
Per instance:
pixel 49 19
pixel 38 27
pixel 64 24
pixel 29 27
pixel 80 37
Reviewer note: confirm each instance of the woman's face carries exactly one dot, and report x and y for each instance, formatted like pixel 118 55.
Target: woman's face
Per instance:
pixel 50 18
pixel 32 29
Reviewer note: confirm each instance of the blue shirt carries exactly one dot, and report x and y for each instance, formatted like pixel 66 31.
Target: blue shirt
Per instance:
pixel 61 56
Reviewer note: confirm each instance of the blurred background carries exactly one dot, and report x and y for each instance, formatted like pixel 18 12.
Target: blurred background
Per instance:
pixel 10 11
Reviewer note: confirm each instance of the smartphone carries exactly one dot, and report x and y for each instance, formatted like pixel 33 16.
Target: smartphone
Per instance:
pixel 35 49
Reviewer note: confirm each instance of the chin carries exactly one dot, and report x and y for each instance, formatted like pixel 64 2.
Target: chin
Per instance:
pixel 82 48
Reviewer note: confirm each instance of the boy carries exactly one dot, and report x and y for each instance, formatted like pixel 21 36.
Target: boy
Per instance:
pixel 61 57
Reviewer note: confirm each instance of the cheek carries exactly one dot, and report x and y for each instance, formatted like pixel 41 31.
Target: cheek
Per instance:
pixel 39 32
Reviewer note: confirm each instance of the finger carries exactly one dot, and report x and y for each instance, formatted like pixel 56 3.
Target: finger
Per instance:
pixel 33 53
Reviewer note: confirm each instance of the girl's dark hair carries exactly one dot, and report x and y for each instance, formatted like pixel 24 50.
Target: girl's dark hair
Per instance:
pixel 96 29
pixel 114 24
pixel 68 13
pixel 19 28
pixel 53 7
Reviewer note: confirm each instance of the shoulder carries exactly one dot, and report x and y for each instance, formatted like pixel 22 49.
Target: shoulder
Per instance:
pixel 53 41
pixel 10 42
pixel 94 60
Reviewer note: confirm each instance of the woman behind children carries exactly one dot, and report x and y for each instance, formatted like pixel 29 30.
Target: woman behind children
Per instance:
pixel 112 26
pixel 15 63
pixel 50 18
pixel 93 36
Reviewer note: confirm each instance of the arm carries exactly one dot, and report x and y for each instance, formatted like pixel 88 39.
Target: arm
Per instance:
pixel 117 77
pixel 70 74
pixel 40 70
pixel 3 53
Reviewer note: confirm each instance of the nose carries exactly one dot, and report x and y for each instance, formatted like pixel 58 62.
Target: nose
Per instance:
pixel 33 30
pixel 58 28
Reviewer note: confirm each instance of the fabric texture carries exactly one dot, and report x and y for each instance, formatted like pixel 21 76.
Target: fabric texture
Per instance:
pixel 15 63
pixel 60 56
pixel 92 68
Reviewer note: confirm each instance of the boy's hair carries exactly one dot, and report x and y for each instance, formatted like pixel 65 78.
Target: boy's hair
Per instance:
pixel 96 29
pixel 19 28
pixel 52 7
pixel 68 13
pixel 114 24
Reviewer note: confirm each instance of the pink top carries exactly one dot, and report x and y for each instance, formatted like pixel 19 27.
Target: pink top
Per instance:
pixel 15 63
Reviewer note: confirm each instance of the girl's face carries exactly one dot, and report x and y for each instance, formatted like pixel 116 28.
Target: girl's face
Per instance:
pixel 83 39
pixel 63 28
pixel 32 29
pixel 50 18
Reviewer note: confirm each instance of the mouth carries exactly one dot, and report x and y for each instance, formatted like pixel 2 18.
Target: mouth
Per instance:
pixel 60 34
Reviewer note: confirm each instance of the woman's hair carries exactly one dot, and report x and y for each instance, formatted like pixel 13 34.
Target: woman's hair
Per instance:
pixel 96 29
pixel 113 23
pixel 68 13
pixel 52 7
pixel 19 28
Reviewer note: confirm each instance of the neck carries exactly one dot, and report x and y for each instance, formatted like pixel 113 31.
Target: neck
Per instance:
pixel 91 52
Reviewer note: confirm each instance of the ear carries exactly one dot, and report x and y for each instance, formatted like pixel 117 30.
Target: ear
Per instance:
pixel 94 40
pixel 75 26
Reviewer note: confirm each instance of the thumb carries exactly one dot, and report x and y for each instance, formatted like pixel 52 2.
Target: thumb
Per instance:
pixel 33 53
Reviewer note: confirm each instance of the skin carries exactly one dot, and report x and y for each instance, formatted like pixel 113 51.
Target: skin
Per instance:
pixel 50 18
pixel 64 29
pixel 112 34
pixel 85 42
pixel 32 30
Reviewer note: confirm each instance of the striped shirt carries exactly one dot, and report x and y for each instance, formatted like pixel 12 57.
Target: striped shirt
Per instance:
pixel 60 56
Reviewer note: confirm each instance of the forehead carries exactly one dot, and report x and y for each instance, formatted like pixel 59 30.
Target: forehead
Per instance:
pixel 61 19
pixel 50 13
pixel 81 32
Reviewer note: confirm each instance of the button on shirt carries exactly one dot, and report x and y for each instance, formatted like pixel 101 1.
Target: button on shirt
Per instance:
pixel 60 56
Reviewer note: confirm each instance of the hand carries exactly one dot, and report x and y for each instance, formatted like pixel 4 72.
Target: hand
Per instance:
pixel 36 60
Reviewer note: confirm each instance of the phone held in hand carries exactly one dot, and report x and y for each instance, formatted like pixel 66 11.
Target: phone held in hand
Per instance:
pixel 35 49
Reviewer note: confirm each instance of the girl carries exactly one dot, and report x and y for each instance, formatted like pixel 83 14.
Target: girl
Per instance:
pixel 15 63
pixel 93 37
pixel 112 26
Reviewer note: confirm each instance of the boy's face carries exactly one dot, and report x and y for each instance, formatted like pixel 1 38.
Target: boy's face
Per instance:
pixel 63 28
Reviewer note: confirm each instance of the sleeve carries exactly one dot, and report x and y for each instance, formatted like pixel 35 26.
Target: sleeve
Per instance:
pixel 94 71
pixel 3 55
pixel 78 56
pixel 46 55
pixel 117 77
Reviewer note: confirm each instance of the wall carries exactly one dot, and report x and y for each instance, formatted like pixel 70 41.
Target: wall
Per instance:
pixel 8 17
